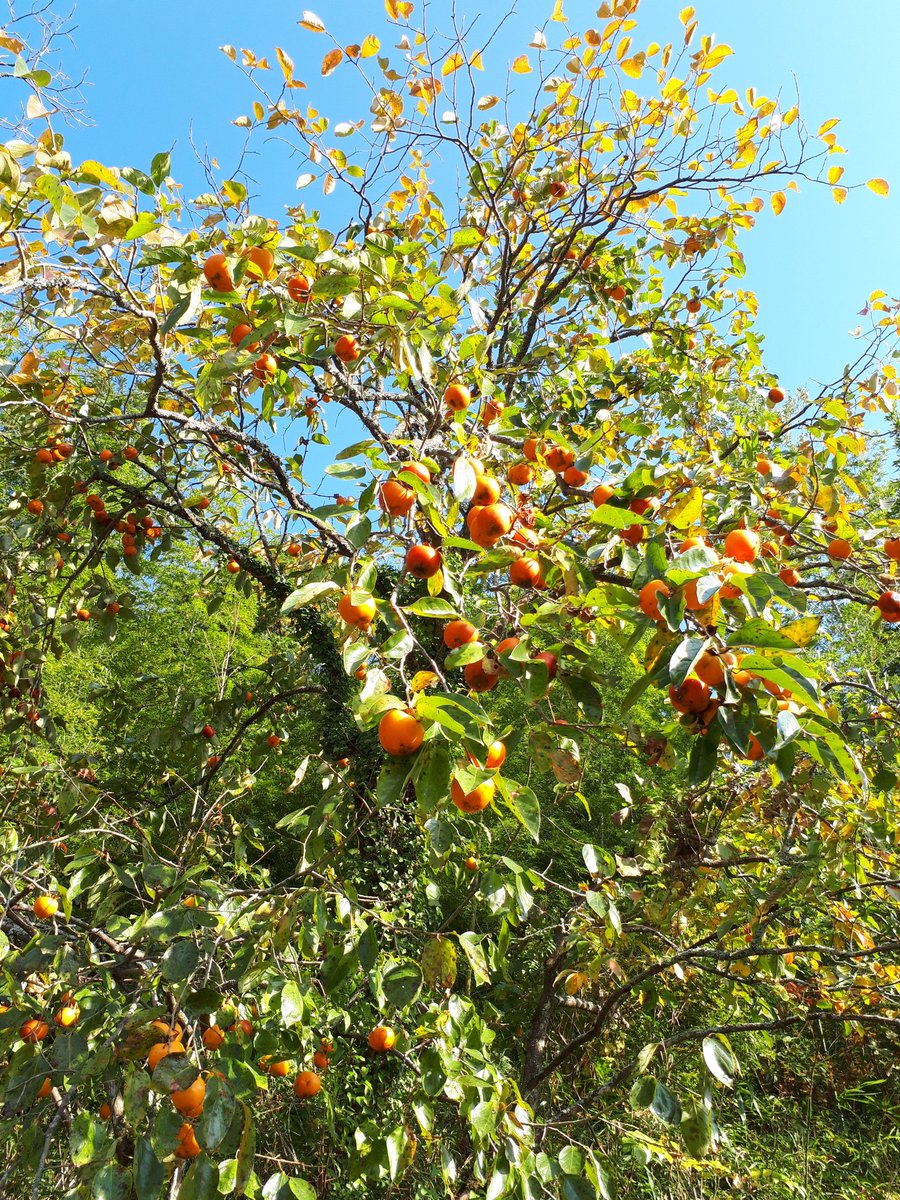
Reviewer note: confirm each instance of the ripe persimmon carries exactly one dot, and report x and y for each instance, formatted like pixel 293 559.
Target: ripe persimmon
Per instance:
pixel 459 633
pixel 476 800
pixel 45 907
pixel 789 576
pixel 634 534
pixel 237 335
pixel 381 1039
pixel 754 749
pixel 892 549
pixel 742 545
pixel 321 1060
pixel 45 1089
pixel 396 498
pixel 601 493
pixel 33 1030
pixel 691 696
pixel 260 262
pixel 471 863
pixel 66 1016
pixel 525 572
pixel 423 561
pixel 232 566
pixel 839 549
pixel 346 348
pixel 35 507
pixel 491 523
pixel 648 598
pixel 265 367
pixel 189 1101
pixel 549 660
pixel 775 395
pixel 558 458
pixel 710 667
pixel 478 679
pixel 491 411
pixel 299 287
pixel 361 615
pixel 487 491
pixel 520 474
pixel 188 1146
pixel 400 733
pixel 306 1085
pixel 574 477
pixel 888 604
pixel 217 274
pixel 457 396
pixel 530 449
pixel 161 1050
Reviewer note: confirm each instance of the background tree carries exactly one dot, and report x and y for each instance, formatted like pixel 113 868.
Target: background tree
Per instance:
pixel 513 823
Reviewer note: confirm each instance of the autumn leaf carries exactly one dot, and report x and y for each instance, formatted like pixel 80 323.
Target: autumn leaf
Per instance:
pixel 824 128
pixel 778 202
pixel 310 21
pixel 633 67
pixel 476 62
pixel 370 46
pixel 522 66
pixel 840 194
pixel 398 9
pixel 286 63
pixel 558 14
pixel 834 174
pixel 331 60
pixel 879 186
pixel 453 62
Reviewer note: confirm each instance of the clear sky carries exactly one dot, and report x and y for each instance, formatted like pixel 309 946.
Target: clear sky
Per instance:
pixel 156 78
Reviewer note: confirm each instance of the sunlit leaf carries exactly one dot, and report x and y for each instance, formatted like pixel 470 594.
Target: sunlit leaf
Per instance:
pixel 880 187
pixel 310 21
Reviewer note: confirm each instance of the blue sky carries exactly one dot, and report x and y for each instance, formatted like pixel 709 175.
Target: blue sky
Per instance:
pixel 156 78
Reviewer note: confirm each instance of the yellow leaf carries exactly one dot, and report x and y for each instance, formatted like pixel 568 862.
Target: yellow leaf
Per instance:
pixel 687 511
pixel 522 66
pixel 802 631
pixel 834 174
pixel 370 46
pixel 286 63
pixel 310 21
pixel 840 194
pixel 592 37
pixel 790 116
pixel 422 680
pixel 623 48
pixel 717 55
pixel 823 129
pixel 101 174
pixel 331 60
pixel 633 67
pixel 397 9
pixel 685 15
pixel 879 186
pixel 476 62
pixel 229 51
pixel 778 202
pixel 558 14
pixel 453 62
pixel 486 102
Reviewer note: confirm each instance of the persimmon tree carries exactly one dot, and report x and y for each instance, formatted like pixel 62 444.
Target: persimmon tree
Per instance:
pixel 577 494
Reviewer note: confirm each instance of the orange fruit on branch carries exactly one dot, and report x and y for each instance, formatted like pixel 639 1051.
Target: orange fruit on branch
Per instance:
pixel 361 615
pixel 306 1085
pixel 217 274
pixel 400 733
pixel 382 1038
pixel 423 561
pixel 476 800
pixel 45 907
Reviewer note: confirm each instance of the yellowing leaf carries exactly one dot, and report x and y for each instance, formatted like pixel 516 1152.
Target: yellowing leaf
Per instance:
pixel 331 60
pixel 717 55
pixel 633 67
pixel 558 14
pixel 840 194
pixel 522 66
pixel 687 511
pixel 101 174
pixel 834 174
pixel 879 186
pixel 823 129
pixel 286 63
pixel 310 21
pixel 802 631
pixel 397 9
pixel 476 62
pixel 778 202
pixel 453 62
pixel 592 37
pixel 370 46
pixel 422 680
pixel 686 15
pixel 486 102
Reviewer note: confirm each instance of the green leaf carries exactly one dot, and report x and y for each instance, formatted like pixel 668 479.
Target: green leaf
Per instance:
pixel 470 652
pixel 522 803
pixel 702 761
pixel 576 1187
pixel 402 983
pixel 87 1138
pixel 219 1108
pixel 643 1091
pixel 432 780
pixel 431 606
pixel 472 948
pixel 246 1153
pixel 616 518
pixel 179 961
pixel 335 284
pixel 292 1005
pixel 665 1105
pixel 111 1183
pixel 160 167
pixel 306 594
pixel 149 1172
pixel 719 1060
pixel 696 1129
pixel 483 1118
pixel 758 632
pixel 201 1181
